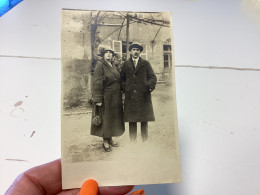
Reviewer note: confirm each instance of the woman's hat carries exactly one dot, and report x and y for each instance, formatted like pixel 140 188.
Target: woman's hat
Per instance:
pixel 103 48
pixel 136 45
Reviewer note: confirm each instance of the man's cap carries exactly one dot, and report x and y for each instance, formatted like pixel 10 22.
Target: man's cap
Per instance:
pixel 136 45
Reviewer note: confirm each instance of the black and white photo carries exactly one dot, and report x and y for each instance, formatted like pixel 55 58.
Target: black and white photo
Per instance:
pixel 118 116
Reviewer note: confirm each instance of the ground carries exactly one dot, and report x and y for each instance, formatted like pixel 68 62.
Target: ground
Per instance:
pixel 80 146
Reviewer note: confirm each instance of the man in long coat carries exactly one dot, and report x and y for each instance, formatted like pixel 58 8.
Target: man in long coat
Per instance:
pixel 138 81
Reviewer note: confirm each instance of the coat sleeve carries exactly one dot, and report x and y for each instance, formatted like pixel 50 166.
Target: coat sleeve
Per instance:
pixel 98 85
pixel 123 77
pixel 151 77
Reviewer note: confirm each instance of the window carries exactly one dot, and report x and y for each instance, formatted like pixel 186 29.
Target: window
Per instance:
pixel 167 56
pixel 124 46
pixel 120 48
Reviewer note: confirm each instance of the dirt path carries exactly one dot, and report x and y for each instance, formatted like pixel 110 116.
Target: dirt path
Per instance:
pixel 80 146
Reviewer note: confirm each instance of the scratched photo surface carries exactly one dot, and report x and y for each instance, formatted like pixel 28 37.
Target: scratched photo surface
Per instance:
pixel 84 34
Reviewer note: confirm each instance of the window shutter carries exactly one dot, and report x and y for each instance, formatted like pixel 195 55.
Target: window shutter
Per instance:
pixel 144 52
pixel 117 47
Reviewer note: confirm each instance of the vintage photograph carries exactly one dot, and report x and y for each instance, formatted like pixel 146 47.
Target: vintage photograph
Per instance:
pixel 118 116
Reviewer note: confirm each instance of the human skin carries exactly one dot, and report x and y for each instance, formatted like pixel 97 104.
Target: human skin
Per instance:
pixel 108 55
pixel 46 180
pixel 135 52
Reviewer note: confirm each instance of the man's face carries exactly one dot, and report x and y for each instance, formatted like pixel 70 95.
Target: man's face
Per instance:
pixel 135 52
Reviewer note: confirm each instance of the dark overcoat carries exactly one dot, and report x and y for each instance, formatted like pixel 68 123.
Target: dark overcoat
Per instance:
pixel 138 83
pixel 106 89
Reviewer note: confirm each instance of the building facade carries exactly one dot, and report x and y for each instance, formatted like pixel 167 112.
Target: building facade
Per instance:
pixel 152 30
pixel 84 32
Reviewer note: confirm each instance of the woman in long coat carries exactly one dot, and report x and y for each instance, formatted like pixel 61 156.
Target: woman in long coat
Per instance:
pixel 108 99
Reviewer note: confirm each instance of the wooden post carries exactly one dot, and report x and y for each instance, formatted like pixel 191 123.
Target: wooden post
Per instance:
pixel 93 36
pixel 127 35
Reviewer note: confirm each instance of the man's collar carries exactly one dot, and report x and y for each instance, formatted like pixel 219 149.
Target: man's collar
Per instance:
pixel 136 59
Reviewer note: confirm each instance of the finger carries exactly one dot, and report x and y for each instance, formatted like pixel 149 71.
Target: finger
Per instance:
pixel 115 190
pixel 69 192
pixel 44 179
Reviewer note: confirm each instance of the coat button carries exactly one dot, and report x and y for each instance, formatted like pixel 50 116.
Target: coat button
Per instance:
pixel 135 91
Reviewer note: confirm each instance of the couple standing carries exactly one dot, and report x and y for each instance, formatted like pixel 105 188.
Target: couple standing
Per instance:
pixel 137 80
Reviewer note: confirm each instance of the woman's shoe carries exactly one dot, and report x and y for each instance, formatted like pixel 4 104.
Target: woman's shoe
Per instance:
pixel 112 143
pixel 106 147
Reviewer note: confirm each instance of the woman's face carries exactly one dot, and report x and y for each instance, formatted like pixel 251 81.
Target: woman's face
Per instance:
pixel 108 55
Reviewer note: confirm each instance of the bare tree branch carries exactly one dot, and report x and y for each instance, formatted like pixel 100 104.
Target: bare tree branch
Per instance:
pixel 117 30
pixel 121 29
